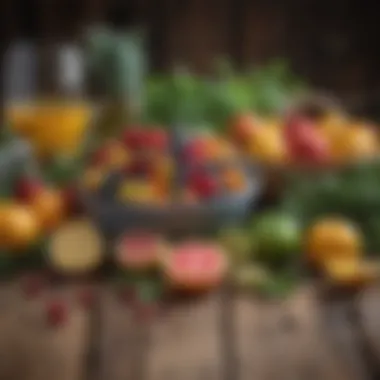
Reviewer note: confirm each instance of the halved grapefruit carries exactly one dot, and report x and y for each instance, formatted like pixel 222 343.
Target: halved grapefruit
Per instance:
pixel 140 250
pixel 195 266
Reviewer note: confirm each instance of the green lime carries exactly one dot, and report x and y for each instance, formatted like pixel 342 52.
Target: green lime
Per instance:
pixel 277 236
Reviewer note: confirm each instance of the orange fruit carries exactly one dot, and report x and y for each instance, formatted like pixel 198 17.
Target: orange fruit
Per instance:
pixel 49 206
pixel 19 226
pixel 351 272
pixel 118 156
pixel 234 179
pixel 93 178
pixel 268 146
pixel 357 142
pixel 333 238
pixel 242 128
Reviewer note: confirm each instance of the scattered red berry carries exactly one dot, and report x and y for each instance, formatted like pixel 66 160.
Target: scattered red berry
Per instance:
pixel 56 313
pixel 33 285
pixel 87 298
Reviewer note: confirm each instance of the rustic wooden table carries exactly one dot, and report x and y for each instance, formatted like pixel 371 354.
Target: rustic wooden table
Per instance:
pixel 223 336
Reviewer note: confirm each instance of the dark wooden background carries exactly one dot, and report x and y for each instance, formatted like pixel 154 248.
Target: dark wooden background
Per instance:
pixel 333 43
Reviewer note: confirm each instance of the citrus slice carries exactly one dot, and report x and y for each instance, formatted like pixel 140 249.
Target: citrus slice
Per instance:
pixel 76 248
pixel 196 266
pixel 140 250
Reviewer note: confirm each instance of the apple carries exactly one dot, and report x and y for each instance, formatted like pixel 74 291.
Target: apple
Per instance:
pixel 306 142
pixel 27 188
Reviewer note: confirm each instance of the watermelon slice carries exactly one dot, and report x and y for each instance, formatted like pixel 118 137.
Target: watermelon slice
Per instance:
pixel 196 266
pixel 140 250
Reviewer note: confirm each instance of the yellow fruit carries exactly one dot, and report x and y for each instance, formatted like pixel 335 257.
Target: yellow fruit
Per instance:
pixel 139 192
pixel 219 149
pixel 19 226
pixel 351 272
pixel 234 179
pixel 268 145
pixel 272 123
pixel 357 142
pixel 331 238
pixel 118 156
pixel 49 207
pixel 76 248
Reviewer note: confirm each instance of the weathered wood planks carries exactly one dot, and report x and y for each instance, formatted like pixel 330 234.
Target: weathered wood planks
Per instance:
pixel 219 337
pixel 29 349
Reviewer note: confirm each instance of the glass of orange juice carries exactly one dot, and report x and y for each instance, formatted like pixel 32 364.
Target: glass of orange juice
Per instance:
pixel 51 127
pixel 53 124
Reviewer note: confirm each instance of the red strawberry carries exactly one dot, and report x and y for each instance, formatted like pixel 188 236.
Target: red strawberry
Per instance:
pixel 134 138
pixel 33 285
pixel 57 313
pixel 27 188
pixel 87 298
pixel 203 185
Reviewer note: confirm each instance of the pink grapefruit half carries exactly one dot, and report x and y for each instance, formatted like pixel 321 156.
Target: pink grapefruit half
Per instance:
pixel 196 266
pixel 140 250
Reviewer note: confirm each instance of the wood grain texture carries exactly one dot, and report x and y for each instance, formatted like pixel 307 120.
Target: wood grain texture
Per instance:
pixel 32 350
pixel 285 340
pixel 300 338
pixel 368 326
pixel 185 343
pixel 119 338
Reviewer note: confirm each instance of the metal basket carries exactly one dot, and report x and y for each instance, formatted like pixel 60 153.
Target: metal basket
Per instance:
pixel 114 218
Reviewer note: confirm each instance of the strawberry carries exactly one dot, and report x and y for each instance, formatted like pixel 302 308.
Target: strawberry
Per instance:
pixel 33 285
pixel 87 298
pixel 56 313
pixel 203 185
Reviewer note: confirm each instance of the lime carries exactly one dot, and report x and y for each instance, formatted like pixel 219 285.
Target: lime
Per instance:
pixel 277 236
